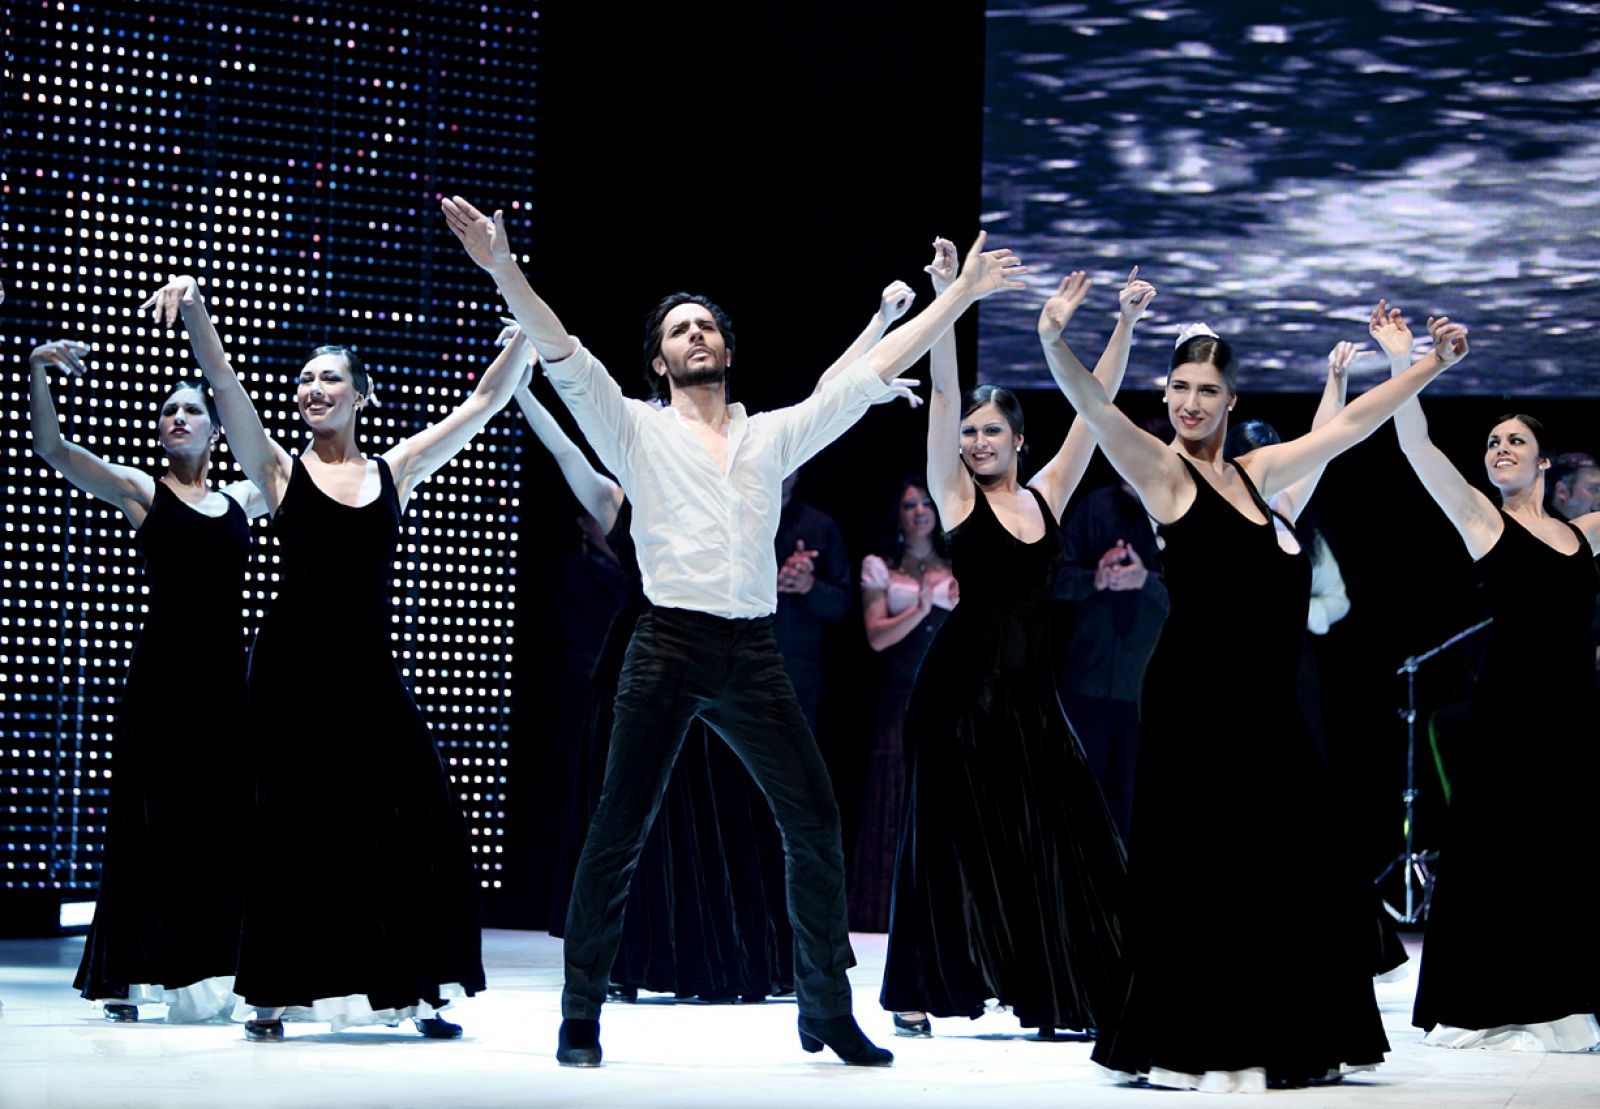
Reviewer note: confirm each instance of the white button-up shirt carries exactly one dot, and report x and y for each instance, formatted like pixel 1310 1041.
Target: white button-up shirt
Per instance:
pixel 705 534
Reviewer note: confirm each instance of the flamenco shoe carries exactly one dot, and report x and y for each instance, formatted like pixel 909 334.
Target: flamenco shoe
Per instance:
pixel 578 1045
pixel 844 1035
pixel 264 1031
pixel 919 1027
pixel 121 1013
pixel 628 994
pixel 437 1028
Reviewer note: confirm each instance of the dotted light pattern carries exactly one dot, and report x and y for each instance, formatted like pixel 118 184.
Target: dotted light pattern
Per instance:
pixel 291 158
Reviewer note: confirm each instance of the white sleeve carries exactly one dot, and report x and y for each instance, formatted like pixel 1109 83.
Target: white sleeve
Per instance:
pixel 803 429
pixel 1329 601
pixel 607 419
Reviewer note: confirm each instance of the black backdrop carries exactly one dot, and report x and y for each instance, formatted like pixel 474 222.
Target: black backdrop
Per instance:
pixel 789 161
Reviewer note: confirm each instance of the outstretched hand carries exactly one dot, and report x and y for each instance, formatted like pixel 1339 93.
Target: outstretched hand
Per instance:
pixel 895 301
pixel 901 388
pixel 484 238
pixel 510 332
pixel 1449 339
pixel 1135 296
pixel 1340 357
pixel 1389 328
pixel 166 303
pixel 986 272
pixel 943 267
pixel 1058 310
pixel 62 354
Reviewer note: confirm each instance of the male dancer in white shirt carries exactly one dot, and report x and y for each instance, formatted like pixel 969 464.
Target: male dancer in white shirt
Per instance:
pixel 704 480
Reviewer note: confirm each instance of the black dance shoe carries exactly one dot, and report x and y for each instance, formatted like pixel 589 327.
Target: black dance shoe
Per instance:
pixel 921 1027
pixel 844 1035
pixel 628 994
pixel 579 1043
pixel 437 1028
pixel 121 1013
pixel 264 1031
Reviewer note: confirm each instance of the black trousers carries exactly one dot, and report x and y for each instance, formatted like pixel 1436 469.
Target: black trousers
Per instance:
pixel 679 665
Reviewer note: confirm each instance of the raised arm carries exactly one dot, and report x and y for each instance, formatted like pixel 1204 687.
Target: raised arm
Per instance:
pixel 984 273
pixel 893 302
pixel 1293 500
pixel 413 460
pixel 1276 467
pixel 128 489
pixel 1057 479
pixel 1473 514
pixel 1145 462
pixel 485 241
pixel 599 495
pixel 948 481
pixel 263 461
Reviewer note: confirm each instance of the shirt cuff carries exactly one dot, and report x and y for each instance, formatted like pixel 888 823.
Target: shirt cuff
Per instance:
pixel 862 377
pixel 570 367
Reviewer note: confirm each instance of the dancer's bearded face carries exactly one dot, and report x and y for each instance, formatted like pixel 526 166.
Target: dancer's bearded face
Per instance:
pixel 693 350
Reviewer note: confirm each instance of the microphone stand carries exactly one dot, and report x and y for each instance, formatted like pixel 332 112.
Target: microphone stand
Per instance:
pixel 1414 864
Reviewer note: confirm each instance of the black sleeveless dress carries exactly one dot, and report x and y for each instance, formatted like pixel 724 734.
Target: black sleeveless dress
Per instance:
pixel 362 893
pixel 1250 930
pixel 1510 926
pixel 1009 869
pixel 700 920
pixel 168 910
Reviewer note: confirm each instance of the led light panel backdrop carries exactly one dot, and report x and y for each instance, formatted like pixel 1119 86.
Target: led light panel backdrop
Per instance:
pixel 1276 168
pixel 291 158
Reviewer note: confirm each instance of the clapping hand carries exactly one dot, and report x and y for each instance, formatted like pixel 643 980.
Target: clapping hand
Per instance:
pixel 798 572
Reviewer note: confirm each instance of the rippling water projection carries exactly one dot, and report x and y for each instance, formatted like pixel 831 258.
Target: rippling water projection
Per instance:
pixel 1275 168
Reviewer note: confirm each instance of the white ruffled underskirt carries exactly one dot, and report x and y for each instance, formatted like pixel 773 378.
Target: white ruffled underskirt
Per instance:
pixel 355 1010
pixel 1250 1080
pixel 1579 1032
pixel 210 999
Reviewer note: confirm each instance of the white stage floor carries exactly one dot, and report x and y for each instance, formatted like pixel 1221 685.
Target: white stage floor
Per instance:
pixel 56 1052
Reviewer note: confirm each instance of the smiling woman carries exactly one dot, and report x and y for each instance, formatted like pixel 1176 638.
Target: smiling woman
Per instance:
pixel 1529 761
pixel 388 930
pixel 1229 783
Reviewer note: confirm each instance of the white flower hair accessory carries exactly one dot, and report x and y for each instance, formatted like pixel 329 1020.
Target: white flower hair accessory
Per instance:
pixel 1196 328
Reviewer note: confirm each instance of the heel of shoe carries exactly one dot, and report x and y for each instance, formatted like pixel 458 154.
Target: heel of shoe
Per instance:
pixel 264 1031
pixel 845 1037
pixel 919 1027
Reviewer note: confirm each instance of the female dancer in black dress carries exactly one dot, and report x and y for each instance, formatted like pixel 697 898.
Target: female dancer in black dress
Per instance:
pixel 1226 789
pixel 166 926
pixel 1009 866
pixel 1505 960
pixel 906 594
pixel 361 905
